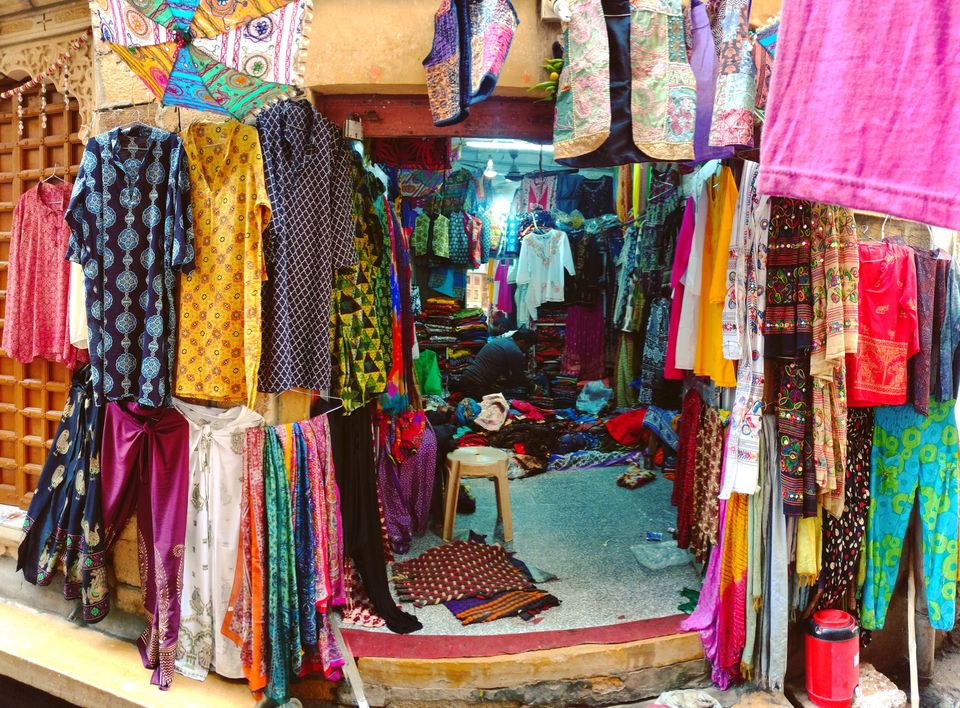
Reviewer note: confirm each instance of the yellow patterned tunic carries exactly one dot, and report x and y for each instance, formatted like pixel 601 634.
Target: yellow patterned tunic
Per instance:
pixel 218 351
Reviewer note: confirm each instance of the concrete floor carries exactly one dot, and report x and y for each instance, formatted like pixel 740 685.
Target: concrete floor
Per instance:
pixel 580 526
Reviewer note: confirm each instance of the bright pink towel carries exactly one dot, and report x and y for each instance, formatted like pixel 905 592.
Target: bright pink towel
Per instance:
pixel 862 109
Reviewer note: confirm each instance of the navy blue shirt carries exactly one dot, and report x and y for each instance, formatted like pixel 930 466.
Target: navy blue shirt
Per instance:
pixel 132 229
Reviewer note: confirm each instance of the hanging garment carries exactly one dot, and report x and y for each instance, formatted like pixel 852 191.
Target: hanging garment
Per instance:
pixel 626 370
pixel 63 524
pixel 213 529
pixel 788 320
pixel 949 351
pixel 685 474
pixel 245 620
pixel 36 320
pixel 459 244
pixel 627 92
pixel 913 456
pixel 731 615
pixel 309 188
pixel 680 260
pixel 583 342
pixel 282 607
pixel 131 228
pixel 543 259
pixel 470 43
pixel 145 466
pixel 843 535
pixel 654 350
pixel 568 190
pixel 742 318
pixel 836 80
pixel 689 326
pixel 877 373
pixel 706 484
pixel 406 489
pixel 703 61
pixel 933 268
pixel 356 478
pixel 792 414
pixel 595 198
pixel 774 612
pixel 360 325
pixel 704 618
pixel 736 87
pixel 834 265
pixel 721 202
pixel 219 302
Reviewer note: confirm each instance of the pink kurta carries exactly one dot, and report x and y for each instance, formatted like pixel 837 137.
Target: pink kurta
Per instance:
pixel 37 319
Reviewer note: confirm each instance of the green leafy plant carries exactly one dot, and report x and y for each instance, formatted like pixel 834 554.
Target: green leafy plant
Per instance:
pixel 551 86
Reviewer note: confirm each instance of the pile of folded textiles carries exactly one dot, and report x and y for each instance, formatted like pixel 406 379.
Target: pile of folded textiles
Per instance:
pixel 550 332
pixel 435 329
pixel 475 581
pixel 470 327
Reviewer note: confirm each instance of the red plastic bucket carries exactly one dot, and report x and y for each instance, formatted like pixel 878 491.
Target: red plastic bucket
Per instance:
pixel 833 658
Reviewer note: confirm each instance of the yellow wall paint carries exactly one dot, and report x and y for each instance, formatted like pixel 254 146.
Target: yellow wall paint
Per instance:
pixel 365 46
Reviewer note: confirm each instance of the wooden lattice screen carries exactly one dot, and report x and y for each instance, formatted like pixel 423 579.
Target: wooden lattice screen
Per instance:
pixel 31 395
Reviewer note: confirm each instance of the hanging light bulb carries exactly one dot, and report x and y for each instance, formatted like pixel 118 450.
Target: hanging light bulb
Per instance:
pixel 490 172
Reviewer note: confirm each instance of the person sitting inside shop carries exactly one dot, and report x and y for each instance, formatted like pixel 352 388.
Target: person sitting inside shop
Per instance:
pixel 500 365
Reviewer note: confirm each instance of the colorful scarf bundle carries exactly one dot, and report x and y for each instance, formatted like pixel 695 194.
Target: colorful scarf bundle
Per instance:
pixel 290 558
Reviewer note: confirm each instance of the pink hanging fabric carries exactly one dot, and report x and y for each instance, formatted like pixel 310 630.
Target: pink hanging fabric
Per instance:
pixel 856 115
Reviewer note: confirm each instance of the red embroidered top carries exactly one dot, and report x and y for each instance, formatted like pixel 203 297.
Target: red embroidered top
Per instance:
pixel 36 320
pixel 877 373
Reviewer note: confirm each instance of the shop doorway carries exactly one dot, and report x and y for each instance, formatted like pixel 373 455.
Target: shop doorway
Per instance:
pixel 592 518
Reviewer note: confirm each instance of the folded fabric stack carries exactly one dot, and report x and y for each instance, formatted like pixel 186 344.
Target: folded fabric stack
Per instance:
pixel 550 328
pixel 435 330
pixel 471 328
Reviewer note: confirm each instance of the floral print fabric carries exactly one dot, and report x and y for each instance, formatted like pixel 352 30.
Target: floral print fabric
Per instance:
pixel 131 228
pixel 787 326
pixel 582 117
pixel 36 315
pixel 219 302
pixel 63 523
pixel 743 317
pixel 736 75
pixel 834 264
pixel 843 535
pixel 663 96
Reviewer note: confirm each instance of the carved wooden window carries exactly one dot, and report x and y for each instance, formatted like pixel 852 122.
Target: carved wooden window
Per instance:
pixel 31 395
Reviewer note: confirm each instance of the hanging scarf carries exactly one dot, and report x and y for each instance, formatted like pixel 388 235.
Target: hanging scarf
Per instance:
pixel 283 621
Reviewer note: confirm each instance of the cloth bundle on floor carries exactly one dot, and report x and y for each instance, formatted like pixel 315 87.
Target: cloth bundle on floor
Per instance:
pixel 455 571
pixel 513 603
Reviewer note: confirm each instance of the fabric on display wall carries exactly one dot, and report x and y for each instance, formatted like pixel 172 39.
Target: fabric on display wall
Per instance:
pixel 843 535
pixel 145 467
pixel 63 523
pixel 912 457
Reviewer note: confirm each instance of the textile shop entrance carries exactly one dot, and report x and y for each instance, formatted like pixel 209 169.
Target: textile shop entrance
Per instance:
pixel 590 433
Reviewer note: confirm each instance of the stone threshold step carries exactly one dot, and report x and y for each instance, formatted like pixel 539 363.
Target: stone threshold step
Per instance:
pixel 89 668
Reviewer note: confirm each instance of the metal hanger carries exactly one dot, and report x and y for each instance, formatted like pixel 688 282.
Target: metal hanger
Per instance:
pixel 53 175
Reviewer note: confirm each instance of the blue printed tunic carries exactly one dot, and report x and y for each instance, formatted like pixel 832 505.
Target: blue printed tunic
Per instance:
pixel 132 230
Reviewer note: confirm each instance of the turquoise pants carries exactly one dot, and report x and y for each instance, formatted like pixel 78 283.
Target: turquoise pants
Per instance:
pixel 912 452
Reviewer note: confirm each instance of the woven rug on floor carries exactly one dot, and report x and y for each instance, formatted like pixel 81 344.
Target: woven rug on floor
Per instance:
pixel 455 571
pixel 525 604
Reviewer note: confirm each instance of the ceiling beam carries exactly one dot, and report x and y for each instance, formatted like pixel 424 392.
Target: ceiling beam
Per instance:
pixel 409 115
